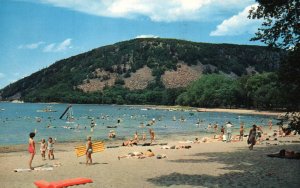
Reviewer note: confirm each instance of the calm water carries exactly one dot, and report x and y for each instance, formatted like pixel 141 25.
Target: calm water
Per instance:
pixel 18 120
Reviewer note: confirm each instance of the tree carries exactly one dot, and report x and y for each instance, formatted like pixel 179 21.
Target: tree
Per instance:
pixel 281 26
pixel 289 76
pixel 210 91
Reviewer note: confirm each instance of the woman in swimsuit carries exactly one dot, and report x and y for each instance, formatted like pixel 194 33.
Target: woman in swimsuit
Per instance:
pixel 89 151
pixel 31 148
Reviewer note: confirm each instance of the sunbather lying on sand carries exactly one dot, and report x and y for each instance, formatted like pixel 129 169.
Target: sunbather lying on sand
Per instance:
pixel 286 154
pixel 177 147
pixel 138 155
pixel 129 143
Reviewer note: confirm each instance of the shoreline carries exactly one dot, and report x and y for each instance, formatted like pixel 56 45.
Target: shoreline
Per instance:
pixel 226 110
pixel 242 111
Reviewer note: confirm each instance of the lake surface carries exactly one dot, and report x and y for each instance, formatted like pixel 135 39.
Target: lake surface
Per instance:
pixel 17 120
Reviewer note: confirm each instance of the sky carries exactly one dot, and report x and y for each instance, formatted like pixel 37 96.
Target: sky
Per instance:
pixel 36 33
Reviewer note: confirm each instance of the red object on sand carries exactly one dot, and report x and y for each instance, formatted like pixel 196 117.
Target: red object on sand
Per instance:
pixel 62 183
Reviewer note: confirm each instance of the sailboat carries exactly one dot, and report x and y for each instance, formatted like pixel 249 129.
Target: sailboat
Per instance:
pixel 69 114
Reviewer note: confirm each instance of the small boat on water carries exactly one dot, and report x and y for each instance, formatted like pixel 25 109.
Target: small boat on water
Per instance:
pixel 115 126
pixel 47 109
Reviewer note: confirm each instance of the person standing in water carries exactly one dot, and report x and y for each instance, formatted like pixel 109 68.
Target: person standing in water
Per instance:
pixel 93 124
pixel 31 148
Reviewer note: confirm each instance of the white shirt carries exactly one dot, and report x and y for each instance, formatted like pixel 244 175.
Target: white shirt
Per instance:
pixel 228 127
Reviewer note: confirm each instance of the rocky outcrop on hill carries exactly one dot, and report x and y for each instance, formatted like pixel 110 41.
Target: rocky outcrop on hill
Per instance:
pixel 182 76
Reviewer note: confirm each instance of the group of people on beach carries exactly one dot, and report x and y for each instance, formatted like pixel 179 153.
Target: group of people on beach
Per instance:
pixel 49 146
pixel 254 137
pixel 135 140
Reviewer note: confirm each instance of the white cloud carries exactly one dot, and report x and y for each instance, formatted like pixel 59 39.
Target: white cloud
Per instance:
pixel 31 46
pixel 64 45
pixel 146 36
pixel 156 10
pixel 237 24
pixel 2 75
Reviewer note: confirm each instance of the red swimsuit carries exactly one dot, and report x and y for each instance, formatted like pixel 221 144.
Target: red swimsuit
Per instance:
pixel 30 148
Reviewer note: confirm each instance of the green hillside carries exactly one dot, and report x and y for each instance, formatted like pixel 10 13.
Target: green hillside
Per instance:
pixel 60 82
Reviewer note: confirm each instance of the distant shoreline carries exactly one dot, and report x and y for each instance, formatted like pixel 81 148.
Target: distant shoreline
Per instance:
pixel 196 109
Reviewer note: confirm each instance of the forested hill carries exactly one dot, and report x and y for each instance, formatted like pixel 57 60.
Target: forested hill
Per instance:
pixel 124 72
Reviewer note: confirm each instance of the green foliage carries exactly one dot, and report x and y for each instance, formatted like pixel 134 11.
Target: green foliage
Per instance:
pixel 294 120
pixel 289 74
pixel 210 91
pixel 280 27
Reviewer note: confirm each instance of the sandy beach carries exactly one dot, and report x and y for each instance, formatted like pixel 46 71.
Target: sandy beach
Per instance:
pixel 212 164
pixel 233 110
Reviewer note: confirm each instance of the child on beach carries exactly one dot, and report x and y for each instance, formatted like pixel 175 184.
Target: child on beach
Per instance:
pixel 270 124
pixel 144 136
pixel 222 130
pixel 31 148
pixel 241 132
pixel 136 137
pixel 152 135
pixel 43 148
pixel 50 147
pixel 89 151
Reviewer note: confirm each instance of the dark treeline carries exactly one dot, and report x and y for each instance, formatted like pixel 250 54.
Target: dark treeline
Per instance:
pixel 261 91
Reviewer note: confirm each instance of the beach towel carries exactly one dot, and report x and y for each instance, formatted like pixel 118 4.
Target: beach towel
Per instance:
pixel 97 147
pixel 186 142
pixel 166 147
pixel 35 169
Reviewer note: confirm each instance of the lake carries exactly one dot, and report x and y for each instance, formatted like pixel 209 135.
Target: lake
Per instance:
pixel 17 120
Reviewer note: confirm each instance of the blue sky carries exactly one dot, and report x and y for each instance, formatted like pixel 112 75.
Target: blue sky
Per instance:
pixel 36 33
